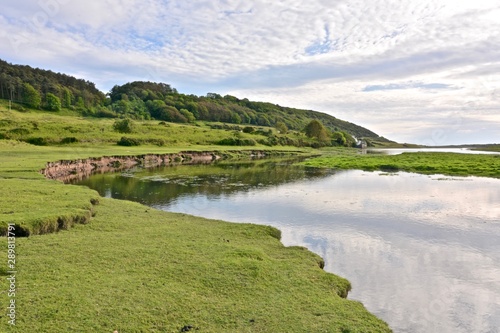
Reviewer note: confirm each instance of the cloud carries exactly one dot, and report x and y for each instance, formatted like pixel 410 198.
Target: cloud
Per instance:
pixel 408 85
pixel 315 54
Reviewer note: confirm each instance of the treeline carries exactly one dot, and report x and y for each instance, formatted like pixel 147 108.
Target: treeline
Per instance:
pixel 42 89
pixel 38 88
pixel 146 100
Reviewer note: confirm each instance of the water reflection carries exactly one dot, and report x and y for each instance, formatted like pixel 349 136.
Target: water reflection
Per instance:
pixel 422 252
pixel 397 151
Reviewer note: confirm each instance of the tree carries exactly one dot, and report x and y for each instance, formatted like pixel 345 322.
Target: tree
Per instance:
pixel 79 103
pixel 315 129
pixel 189 116
pixel 53 103
pixel 281 127
pixel 67 98
pixel 31 96
pixel 350 141
pixel 235 118
pixel 122 107
pixel 339 138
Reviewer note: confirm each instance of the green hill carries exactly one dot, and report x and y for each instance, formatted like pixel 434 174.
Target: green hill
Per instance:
pixel 42 89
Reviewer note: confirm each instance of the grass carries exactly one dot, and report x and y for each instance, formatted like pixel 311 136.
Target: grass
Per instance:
pixel 68 128
pixel 492 147
pixel 426 163
pixel 135 269
pixel 47 128
pixel 42 206
pixel 38 205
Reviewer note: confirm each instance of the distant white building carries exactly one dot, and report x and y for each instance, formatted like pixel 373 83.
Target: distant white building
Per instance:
pixel 360 143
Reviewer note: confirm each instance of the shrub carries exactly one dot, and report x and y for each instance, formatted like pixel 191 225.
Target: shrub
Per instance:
pixel 70 139
pixel 105 113
pixel 248 129
pixel 128 142
pixel 37 141
pixel 124 126
pixel 158 142
pixel 20 131
pixel 237 142
pixel 18 107
pixel 247 142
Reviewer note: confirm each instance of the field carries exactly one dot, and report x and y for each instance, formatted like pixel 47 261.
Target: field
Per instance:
pixel 117 265
pixel 426 163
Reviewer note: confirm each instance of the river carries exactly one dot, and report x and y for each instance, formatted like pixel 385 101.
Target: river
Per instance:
pixel 422 252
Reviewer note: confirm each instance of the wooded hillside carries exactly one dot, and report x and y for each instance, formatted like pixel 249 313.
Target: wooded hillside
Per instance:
pixel 43 89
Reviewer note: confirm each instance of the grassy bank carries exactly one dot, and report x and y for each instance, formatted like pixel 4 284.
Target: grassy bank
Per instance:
pixel 427 163
pixel 135 269
pixel 67 128
pixel 493 147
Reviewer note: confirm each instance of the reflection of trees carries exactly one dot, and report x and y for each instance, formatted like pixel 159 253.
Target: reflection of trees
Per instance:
pixel 162 185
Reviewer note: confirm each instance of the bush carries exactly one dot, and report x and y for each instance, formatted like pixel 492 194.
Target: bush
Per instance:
pixel 248 129
pixel 124 126
pixel 70 139
pixel 247 142
pixel 128 142
pixel 20 131
pixel 158 142
pixel 18 107
pixel 237 142
pixel 105 113
pixel 37 141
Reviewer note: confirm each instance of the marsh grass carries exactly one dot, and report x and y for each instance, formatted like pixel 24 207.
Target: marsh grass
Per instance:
pixel 451 164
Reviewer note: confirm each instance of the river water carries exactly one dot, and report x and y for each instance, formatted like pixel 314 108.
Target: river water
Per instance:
pixel 422 252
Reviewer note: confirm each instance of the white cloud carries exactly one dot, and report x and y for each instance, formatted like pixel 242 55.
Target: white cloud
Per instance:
pixel 315 54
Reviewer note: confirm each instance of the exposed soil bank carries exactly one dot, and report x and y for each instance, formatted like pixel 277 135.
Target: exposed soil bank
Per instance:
pixel 69 170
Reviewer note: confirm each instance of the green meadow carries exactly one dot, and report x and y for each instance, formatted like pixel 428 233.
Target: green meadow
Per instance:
pixel 452 164
pixel 93 264
pixel 68 128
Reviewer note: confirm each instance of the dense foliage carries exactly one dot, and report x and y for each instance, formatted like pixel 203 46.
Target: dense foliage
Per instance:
pixel 146 100
pixel 33 86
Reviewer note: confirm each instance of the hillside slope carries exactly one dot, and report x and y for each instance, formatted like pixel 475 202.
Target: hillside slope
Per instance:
pixel 43 89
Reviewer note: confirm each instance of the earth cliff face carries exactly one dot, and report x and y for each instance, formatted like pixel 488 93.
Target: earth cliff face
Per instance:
pixel 78 169
pixel 70 170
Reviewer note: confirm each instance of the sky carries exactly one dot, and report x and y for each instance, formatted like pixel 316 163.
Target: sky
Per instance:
pixel 416 71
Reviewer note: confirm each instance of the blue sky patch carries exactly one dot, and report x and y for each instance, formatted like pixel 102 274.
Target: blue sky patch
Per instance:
pixel 409 85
